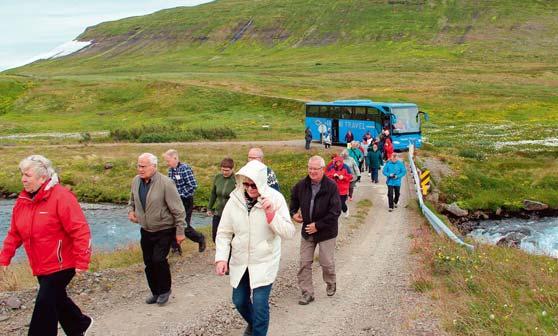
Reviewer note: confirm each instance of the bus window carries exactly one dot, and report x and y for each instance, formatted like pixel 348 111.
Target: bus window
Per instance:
pixel 359 113
pixel 312 111
pixel 406 120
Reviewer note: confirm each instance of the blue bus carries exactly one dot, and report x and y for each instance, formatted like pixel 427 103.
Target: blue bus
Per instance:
pixel 361 116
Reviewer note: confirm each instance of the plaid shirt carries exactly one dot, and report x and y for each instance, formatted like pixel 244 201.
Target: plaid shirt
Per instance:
pixel 184 179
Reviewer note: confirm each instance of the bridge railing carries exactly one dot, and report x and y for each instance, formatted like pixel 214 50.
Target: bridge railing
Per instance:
pixel 434 220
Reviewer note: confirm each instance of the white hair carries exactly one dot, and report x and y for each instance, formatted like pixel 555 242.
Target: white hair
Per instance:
pixel 344 154
pixel 319 159
pixel 152 158
pixel 171 153
pixel 39 164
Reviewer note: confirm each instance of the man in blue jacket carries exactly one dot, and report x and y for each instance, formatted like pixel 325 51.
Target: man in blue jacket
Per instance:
pixel 394 170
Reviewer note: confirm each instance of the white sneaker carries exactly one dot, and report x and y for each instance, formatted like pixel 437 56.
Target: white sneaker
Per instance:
pixel 347 214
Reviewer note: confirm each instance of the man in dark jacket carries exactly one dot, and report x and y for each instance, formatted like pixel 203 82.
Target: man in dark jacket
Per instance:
pixel 315 203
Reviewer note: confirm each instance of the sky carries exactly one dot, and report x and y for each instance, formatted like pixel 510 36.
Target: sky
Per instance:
pixel 33 27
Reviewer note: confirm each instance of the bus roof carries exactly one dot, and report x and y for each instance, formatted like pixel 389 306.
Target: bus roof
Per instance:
pixel 360 102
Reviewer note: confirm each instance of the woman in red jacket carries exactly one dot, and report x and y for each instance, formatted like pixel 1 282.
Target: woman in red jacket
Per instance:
pixel 48 221
pixel 343 178
pixel 388 149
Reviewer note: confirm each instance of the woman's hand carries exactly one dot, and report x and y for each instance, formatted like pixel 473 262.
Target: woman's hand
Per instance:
pixel 210 213
pixel 268 208
pixel 221 267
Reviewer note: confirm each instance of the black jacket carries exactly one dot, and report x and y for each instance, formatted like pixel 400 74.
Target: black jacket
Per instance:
pixel 327 207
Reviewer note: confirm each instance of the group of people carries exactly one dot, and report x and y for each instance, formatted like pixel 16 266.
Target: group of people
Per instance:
pixel 250 217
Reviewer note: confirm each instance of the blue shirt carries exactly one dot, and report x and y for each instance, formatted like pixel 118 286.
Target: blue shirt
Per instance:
pixel 397 169
pixel 183 177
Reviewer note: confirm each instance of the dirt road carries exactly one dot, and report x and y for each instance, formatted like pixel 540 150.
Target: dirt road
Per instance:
pixel 374 296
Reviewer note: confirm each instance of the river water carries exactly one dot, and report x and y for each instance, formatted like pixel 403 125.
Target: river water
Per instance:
pixel 109 224
pixel 538 236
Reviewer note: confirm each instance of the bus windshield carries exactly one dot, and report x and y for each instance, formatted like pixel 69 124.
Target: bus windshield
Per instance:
pixel 406 120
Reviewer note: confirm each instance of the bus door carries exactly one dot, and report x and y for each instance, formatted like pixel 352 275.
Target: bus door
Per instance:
pixel 334 130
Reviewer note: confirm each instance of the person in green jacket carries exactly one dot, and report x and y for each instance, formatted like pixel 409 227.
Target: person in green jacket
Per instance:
pixel 223 185
pixel 374 162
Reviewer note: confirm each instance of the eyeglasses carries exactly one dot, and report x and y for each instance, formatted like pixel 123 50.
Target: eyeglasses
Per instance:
pixel 142 166
pixel 249 185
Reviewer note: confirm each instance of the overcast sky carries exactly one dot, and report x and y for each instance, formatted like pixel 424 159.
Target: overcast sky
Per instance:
pixel 32 27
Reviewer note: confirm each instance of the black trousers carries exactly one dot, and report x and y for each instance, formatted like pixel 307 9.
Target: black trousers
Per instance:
pixel 53 305
pixel 155 247
pixel 214 226
pixel 189 231
pixel 344 207
pixel 391 199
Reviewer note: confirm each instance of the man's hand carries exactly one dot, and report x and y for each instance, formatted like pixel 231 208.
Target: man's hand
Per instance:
pixel 297 217
pixel 311 228
pixel 132 216
pixel 340 177
pixel 180 239
pixel 221 267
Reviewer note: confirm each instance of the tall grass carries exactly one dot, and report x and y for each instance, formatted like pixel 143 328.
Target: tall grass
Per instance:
pixel 491 291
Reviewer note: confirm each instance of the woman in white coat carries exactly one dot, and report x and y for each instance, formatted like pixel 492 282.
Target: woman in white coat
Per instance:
pixel 253 222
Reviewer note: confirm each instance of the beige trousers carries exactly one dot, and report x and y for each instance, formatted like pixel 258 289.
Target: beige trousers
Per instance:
pixel 327 262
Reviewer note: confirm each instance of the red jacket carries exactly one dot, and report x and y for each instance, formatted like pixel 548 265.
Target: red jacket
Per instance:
pixel 339 170
pixel 52 229
pixel 388 148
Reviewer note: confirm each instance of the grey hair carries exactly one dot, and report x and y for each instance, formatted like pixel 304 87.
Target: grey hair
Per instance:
pixel 344 154
pixel 317 158
pixel 259 152
pixel 152 158
pixel 39 164
pixel 171 153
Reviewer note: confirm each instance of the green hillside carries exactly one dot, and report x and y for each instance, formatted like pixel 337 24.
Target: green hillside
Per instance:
pixel 486 72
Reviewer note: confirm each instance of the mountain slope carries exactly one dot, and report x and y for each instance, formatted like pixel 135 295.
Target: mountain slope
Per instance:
pixel 222 31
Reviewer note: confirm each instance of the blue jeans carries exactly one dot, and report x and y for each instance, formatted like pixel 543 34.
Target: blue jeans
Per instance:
pixel 255 311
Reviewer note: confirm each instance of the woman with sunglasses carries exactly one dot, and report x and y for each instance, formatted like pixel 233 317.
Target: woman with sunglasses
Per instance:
pixel 253 222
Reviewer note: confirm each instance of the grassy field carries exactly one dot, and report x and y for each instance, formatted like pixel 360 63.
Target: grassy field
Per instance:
pixel 491 291
pixel 82 168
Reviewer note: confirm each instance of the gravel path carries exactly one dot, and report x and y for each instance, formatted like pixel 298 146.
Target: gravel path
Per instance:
pixel 374 296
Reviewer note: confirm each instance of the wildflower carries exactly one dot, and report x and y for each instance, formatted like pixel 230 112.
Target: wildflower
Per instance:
pixel 543 313
pixel 492 317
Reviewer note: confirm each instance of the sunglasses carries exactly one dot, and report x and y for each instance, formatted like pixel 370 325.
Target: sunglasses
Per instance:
pixel 249 185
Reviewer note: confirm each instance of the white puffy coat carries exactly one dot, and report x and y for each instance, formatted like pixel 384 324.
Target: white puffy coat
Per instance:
pixel 256 244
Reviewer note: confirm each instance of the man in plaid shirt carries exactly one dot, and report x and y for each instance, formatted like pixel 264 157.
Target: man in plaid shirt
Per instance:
pixel 186 183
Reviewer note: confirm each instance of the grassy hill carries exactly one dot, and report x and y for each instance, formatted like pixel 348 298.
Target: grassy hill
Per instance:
pixel 485 70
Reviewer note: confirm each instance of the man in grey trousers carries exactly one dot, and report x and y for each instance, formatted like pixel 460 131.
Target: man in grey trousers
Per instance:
pixel 156 206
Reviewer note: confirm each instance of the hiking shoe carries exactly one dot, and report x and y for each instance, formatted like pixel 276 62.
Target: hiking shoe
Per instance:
pixel 305 299
pixel 330 289
pixel 347 214
pixel 247 331
pixel 163 298
pixel 390 209
pixel 201 246
pixel 151 299
pixel 395 205
pixel 84 333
